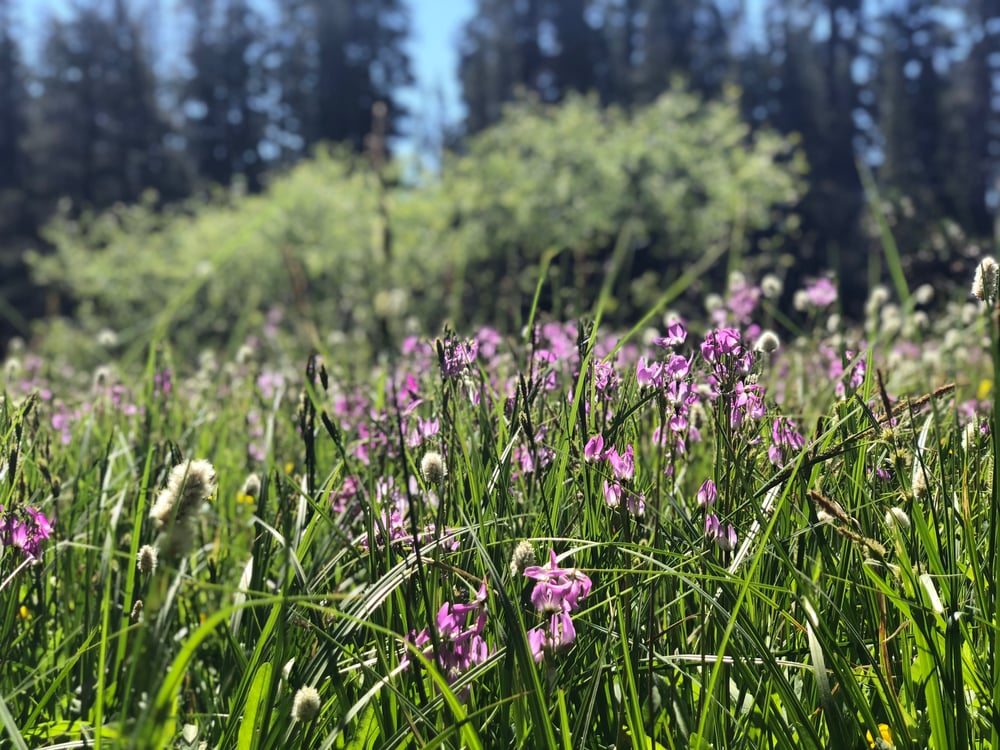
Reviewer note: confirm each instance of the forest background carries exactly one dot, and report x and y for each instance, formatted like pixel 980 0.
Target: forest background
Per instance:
pixel 98 112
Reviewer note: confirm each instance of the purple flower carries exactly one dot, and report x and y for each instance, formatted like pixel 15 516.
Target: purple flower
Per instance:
pixel 340 499
pixel 461 646
pixel 707 494
pixel 711 526
pixel 455 357
pixel 612 494
pixel 557 635
pixel 162 383
pixel 719 343
pixel 747 403
pixel 269 382
pixel 557 593
pixel 723 349
pixel 676 334
pixel 594 449
pixel 742 299
pixel 821 293
pixel 62 421
pixel 785 440
pixel 426 428
pixel 623 465
pixel 635 504
pixel 606 380
pixel 649 375
pixel 25 531
pixel 676 368
pixel 724 536
pixel 568 585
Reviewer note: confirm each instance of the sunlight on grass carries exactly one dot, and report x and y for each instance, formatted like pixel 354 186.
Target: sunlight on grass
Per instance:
pixel 691 534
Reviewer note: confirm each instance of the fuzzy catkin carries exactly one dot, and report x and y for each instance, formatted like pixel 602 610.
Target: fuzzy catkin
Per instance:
pixel 306 704
pixel 522 558
pixel 433 468
pixel 146 560
pixel 189 485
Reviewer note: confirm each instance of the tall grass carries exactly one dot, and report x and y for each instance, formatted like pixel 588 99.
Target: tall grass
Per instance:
pixel 857 607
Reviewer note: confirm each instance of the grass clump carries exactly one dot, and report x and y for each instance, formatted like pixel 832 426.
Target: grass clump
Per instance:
pixel 667 538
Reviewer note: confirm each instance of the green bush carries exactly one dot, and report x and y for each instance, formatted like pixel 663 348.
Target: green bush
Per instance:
pixel 328 241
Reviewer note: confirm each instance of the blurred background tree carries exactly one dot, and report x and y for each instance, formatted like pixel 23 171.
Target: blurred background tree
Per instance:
pixel 96 109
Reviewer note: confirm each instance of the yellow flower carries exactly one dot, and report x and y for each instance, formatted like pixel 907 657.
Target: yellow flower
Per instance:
pixel 985 386
pixel 24 613
pixel 289 467
pixel 885 734
pixel 242 497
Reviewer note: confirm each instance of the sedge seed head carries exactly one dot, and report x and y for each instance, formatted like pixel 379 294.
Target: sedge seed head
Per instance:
pixel 433 468
pixel 189 485
pixel 306 704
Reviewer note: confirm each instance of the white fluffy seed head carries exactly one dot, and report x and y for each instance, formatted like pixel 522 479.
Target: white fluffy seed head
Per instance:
pixel 896 516
pixel 146 560
pixel 523 557
pixel 984 283
pixel 189 485
pixel 306 704
pixel 433 468
pixel 768 342
pixel 771 286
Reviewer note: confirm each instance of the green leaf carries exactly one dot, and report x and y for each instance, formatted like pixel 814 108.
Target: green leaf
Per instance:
pixel 251 728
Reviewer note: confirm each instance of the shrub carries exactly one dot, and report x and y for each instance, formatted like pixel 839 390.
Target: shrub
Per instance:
pixel 327 239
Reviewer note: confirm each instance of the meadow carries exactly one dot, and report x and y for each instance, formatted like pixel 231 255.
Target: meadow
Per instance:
pixel 692 533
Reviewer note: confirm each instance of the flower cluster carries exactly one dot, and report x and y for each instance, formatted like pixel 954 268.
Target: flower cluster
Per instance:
pixel 724 535
pixel 855 365
pixel 673 378
pixel 460 646
pixel 785 441
pixel 393 525
pixel 456 356
pixel 728 359
pixel 25 531
pixel 623 472
pixel 606 380
pixel 817 295
pixel 556 596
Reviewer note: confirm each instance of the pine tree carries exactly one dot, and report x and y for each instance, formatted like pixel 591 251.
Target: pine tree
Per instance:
pixel 225 98
pixel 336 59
pixel 97 133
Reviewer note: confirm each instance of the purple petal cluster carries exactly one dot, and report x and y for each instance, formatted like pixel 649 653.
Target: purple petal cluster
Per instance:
pixel 25 530
pixel 455 356
pixel 742 299
pixel 393 526
pixel 818 294
pixel 622 472
pixel 724 535
pixel 729 360
pixel 707 494
pixel 556 595
pixel 606 380
pixel 786 440
pixel 461 646
pixel 676 335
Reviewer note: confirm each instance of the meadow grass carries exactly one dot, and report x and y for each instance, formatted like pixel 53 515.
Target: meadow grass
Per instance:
pixel 668 538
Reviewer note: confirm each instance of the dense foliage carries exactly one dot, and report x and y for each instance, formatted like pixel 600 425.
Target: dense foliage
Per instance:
pixel 674 181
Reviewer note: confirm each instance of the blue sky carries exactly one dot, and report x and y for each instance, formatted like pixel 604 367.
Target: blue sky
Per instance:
pixel 433 46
